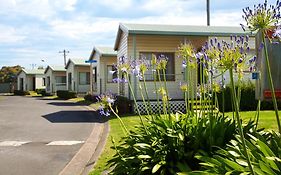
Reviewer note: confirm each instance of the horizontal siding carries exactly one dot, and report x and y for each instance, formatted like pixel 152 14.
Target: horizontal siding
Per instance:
pixel 148 43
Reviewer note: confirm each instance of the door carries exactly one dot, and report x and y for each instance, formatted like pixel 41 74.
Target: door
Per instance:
pixel 33 83
pixel 21 84
pixel 69 81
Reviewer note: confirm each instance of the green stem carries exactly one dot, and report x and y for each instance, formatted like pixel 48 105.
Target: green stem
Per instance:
pixel 165 85
pixel 135 101
pixel 271 82
pixel 223 95
pixel 234 97
pixel 122 124
pixel 143 100
pixel 156 91
pixel 146 92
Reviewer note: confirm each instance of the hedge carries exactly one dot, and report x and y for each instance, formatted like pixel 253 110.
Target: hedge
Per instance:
pixel 66 94
pixel 247 102
pixel 21 93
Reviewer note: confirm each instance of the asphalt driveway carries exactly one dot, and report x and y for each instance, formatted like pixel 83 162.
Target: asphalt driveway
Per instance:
pixel 41 136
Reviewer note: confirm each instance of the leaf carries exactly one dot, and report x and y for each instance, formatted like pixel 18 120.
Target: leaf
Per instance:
pixel 242 162
pixel 231 164
pixel 144 157
pixel 181 137
pixel 265 168
pixel 156 168
pixel 142 145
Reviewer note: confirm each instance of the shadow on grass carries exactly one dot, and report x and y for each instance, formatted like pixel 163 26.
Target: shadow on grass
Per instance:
pixel 75 117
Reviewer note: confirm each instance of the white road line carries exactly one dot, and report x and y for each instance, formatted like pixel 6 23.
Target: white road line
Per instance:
pixel 64 143
pixel 13 143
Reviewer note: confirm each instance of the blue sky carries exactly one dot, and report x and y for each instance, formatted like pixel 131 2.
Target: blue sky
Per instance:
pixel 32 30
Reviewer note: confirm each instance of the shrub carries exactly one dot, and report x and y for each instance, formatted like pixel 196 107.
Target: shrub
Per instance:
pixel 265 156
pixel 168 146
pixel 20 92
pixel 41 91
pixel 66 94
pixel 91 97
pixel 248 101
pixel 123 104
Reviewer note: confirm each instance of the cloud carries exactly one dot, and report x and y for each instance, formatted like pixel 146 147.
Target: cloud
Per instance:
pixel 116 4
pixel 9 35
pixel 67 5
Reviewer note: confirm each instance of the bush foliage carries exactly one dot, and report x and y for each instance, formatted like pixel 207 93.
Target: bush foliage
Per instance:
pixel 20 92
pixel 66 94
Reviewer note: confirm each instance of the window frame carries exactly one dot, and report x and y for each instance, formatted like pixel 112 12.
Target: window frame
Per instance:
pixel 173 74
pixel 87 78
pixel 114 75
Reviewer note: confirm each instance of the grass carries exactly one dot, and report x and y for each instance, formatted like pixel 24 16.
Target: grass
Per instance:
pixel 267 118
pixel 116 133
pixel 267 121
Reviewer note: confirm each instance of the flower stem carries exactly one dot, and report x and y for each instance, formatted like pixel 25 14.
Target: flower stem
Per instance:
pixel 270 81
pixel 122 123
pixel 237 114
pixel 135 101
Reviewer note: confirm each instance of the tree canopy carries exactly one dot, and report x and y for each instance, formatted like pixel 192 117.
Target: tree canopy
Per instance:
pixel 9 73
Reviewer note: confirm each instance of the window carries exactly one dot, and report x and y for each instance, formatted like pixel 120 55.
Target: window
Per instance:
pixel 60 80
pixel 170 69
pixel 110 74
pixel 84 78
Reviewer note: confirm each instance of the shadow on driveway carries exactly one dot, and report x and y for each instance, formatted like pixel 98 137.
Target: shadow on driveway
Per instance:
pixel 65 104
pixel 75 117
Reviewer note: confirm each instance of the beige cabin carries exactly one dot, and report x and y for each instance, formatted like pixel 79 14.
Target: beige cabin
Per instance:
pixel 143 40
pixel 103 70
pixel 31 79
pixel 78 76
pixel 55 79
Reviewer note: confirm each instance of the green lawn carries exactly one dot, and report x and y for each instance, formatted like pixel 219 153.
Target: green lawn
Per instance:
pixel 267 118
pixel 116 133
pixel 267 121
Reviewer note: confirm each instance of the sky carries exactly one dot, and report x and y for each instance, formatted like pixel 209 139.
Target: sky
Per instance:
pixel 32 32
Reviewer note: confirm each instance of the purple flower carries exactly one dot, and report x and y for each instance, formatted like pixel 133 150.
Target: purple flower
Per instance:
pixel 261 46
pixel 243 27
pixel 240 60
pixel 277 32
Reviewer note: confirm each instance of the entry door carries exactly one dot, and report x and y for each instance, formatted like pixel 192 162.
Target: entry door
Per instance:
pixel 21 84
pixel 69 81
pixel 33 83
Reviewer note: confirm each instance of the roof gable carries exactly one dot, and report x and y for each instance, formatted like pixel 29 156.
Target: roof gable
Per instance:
pixel 55 68
pixel 77 62
pixel 102 51
pixel 176 30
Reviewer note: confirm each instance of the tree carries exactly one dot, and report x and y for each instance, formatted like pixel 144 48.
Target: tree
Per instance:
pixel 9 73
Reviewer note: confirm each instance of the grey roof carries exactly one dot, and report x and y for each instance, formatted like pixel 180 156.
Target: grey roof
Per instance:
pixel 77 62
pixel 177 30
pixel 34 71
pixel 103 51
pixel 55 68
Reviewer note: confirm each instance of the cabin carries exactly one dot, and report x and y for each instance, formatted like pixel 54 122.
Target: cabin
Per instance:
pixel 103 70
pixel 31 79
pixel 55 78
pixel 142 40
pixel 78 76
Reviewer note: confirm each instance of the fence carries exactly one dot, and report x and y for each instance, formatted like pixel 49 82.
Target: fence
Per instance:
pixel 7 87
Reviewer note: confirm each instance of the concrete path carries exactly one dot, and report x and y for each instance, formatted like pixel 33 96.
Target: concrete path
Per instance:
pixel 42 136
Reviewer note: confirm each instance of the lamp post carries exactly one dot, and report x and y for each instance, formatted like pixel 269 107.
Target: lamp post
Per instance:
pixel 208 12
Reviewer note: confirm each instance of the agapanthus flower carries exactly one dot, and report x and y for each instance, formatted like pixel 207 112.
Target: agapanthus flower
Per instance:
pixel 106 101
pixel 187 52
pixel 226 55
pixel 277 33
pixel 262 16
pixel 183 87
